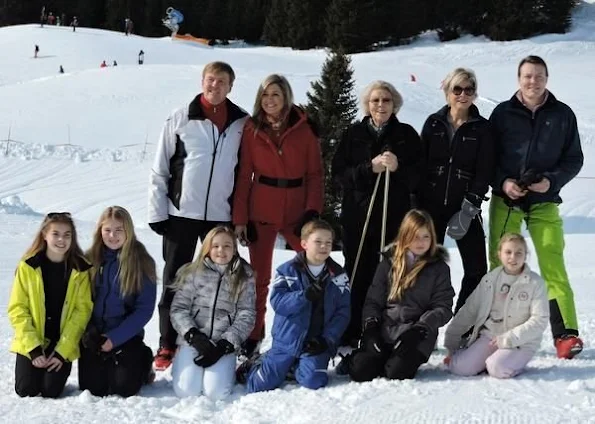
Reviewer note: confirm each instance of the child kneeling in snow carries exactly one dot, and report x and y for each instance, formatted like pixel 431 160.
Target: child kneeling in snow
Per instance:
pixel 508 313
pixel 409 300
pixel 213 311
pixel 311 300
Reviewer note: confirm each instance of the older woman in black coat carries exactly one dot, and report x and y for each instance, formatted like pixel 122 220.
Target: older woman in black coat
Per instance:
pixel 369 147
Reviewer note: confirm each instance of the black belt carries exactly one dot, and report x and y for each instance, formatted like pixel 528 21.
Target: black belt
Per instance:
pixel 281 182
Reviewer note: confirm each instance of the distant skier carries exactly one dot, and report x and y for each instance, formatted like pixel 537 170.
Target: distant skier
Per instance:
pixel 61 69
pixel 103 64
pixel 141 57
pixel 74 24
pixel 115 63
pixel 36 51
pixel 128 26
pixel 42 17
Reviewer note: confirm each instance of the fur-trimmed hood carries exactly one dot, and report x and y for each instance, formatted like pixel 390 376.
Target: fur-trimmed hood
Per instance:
pixel 441 253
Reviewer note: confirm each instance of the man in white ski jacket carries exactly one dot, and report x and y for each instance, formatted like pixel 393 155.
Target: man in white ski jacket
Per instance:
pixel 192 181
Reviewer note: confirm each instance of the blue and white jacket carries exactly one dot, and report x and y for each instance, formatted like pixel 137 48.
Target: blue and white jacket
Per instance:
pixel 120 318
pixel 293 311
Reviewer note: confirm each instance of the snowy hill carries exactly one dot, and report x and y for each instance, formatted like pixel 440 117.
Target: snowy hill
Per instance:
pixel 82 140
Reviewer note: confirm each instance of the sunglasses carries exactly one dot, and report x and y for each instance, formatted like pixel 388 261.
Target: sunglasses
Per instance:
pixel 54 215
pixel 457 90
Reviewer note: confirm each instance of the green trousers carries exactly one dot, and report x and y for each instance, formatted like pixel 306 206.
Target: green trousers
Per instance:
pixel 545 227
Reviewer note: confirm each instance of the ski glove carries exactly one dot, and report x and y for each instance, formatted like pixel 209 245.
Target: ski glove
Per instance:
pixel 409 339
pixel 459 223
pixel 308 216
pixel 92 340
pixel 159 227
pixel 212 355
pixel 315 346
pixel 371 337
pixel 198 340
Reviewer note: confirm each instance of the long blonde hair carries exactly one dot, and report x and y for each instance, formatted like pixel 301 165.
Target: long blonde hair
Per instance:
pixel 235 268
pixel 134 259
pixel 402 279
pixel 74 257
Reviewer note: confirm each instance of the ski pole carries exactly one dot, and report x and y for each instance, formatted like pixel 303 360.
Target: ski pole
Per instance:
pixel 384 212
pixel 365 230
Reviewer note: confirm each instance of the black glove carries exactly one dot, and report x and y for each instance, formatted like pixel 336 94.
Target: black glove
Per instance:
pixel 315 346
pixel 198 340
pixel 410 339
pixel 459 223
pixel 251 233
pixel 314 292
pixel 371 337
pixel 530 176
pixel 92 340
pixel 308 216
pixel 212 355
pixel 159 227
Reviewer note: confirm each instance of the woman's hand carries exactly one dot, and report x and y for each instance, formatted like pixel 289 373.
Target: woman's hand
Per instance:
pixel 107 346
pixel 378 165
pixel 54 363
pixel 40 362
pixel 242 234
pixel 389 160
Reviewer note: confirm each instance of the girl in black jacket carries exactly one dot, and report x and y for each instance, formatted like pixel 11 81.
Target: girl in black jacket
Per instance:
pixel 459 152
pixel 409 300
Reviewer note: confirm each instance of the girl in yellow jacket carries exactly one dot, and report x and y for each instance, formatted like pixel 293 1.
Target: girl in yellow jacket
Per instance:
pixel 49 307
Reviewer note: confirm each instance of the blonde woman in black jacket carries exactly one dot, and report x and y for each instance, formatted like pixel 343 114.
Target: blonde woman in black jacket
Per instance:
pixel 459 152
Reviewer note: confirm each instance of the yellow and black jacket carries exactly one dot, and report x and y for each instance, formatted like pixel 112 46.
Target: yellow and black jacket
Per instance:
pixel 27 315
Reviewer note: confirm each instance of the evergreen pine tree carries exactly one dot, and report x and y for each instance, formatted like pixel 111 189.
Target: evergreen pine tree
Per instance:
pixel 332 107
pixel 304 24
pixel 275 26
pixel 350 25
pixel 557 15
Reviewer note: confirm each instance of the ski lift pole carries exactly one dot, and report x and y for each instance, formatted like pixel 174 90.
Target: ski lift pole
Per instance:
pixel 384 212
pixel 365 230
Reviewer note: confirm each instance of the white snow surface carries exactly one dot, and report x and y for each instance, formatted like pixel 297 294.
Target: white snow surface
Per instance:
pixel 84 140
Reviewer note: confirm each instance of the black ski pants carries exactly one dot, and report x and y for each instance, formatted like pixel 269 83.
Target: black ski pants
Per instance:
pixel 366 366
pixel 179 244
pixel 120 372
pixel 369 259
pixel 31 381
pixel 472 248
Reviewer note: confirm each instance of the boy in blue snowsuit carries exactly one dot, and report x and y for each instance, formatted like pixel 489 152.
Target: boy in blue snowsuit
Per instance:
pixel 311 300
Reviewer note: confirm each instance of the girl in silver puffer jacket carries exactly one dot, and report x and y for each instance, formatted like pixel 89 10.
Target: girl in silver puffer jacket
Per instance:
pixel 213 311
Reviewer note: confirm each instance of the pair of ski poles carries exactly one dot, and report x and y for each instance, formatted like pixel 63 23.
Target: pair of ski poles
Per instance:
pixel 367 222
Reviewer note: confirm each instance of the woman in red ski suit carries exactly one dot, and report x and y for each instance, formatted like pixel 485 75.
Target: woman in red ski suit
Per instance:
pixel 279 186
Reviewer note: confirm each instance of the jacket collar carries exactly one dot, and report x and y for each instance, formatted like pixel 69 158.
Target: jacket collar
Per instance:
pixel 549 101
pixel 442 114
pixel 493 274
pixel 34 261
pixel 440 255
pixel 234 112
pixel 302 264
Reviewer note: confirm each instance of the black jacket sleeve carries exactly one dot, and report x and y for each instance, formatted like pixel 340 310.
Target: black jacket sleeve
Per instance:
pixel 485 163
pixel 377 296
pixel 571 160
pixel 415 164
pixel 347 171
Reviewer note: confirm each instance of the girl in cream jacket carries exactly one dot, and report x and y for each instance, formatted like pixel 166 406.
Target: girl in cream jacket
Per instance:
pixel 506 316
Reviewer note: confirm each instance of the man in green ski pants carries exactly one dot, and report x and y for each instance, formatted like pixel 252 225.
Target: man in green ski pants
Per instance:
pixel 538 151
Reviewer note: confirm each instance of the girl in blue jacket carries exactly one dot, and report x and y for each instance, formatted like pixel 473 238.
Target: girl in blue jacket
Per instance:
pixel 114 358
